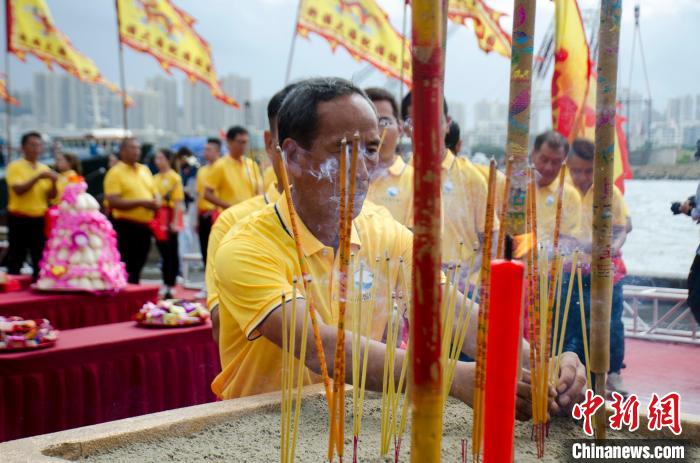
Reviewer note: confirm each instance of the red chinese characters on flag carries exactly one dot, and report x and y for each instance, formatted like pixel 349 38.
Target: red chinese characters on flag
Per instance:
pixel 665 412
pixel 625 412
pixel 586 409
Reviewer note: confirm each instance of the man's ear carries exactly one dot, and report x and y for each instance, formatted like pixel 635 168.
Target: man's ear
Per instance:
pixel 292 156
pixel 267 136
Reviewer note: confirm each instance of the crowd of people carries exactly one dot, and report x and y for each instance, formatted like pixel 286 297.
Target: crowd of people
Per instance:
pixel 245 232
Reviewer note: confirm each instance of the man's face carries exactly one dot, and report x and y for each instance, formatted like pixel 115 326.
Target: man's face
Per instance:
pixel 388 123
pixel 315 171
pixel 581 172
pixel 211 152
pixel 548 162
pixel 131 151
pixel 238 146
pixel 33 148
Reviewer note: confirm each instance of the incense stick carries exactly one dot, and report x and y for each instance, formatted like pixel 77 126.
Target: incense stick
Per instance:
pixel 584 331
pixel 504 208
pixel 564 322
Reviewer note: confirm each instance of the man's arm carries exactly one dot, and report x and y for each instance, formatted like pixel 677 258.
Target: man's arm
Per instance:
pixel 212 198
pixel 619 238
pixel 22 188
pixel 117 202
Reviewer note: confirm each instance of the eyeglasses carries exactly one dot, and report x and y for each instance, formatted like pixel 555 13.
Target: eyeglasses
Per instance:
pixel 385 122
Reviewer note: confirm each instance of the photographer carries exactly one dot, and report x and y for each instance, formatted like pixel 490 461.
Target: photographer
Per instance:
pixel 690 208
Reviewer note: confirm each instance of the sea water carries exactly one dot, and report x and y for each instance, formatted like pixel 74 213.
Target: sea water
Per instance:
pixel 660 243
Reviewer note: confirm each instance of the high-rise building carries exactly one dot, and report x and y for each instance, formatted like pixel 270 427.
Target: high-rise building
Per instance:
pixel 202 113
pixel 166 88
pixel 147 110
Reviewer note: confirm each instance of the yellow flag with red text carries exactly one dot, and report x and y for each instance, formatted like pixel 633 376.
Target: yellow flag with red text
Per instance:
pixel 166 32
pixel 363 28
pixel 487 27
pixel 31 30
pixel 5 95
pixel 571 68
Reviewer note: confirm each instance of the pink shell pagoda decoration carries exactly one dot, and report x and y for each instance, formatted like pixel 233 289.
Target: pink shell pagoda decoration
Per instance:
pixel 81 251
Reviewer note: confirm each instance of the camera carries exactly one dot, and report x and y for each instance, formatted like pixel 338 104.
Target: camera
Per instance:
pixel 676 207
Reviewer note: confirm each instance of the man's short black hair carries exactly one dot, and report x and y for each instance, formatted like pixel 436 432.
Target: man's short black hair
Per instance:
pixel 234 131
pixel 125 141
pixel 583 148
pixel 406 103
pixel 452 137
pixel 380 94
pixel 215 141
pixel 28 135
pixel 275 103
pixel 553 139
pixel 298 116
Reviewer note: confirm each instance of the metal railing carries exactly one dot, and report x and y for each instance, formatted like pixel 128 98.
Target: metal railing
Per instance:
pixel 658 326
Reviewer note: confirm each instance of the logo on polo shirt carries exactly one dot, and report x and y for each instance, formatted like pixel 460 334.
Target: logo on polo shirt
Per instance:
pixel 448 186
pixel 367 281
pixel 392 191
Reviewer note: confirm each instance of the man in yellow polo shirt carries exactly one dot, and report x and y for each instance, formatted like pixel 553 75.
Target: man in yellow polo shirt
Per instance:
pixel 256 261
pixel 234 214
pixel 548 156
pixel 132 196
pixel 233 178
pixel 464 195
pixel 205 209
pixel 30 187
pixel 580 165
pixel 391 185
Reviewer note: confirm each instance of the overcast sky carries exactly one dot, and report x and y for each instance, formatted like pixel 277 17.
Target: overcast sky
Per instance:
pixel 251 38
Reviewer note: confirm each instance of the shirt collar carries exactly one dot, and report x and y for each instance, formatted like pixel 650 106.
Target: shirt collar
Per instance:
pixel 449 160
pixel 397 167
pixel 310 245
pixel 552 187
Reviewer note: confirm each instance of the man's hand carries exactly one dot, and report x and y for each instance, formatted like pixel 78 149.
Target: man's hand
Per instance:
pixel 152 204
pixel 49 174
pixel 570 385
pixel 463 384
pixel 523 399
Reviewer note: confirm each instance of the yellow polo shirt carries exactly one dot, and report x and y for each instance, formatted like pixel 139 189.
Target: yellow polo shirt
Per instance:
pixel 223 224
pixel 500 185
pixel 235 180
pixel 255 264
pixel 464 195
pixel 619 208
pixel 62 183
pixel 547 210
pixel 269 177
pixel 34 202
pixel 202 204
pixel 169 187
pixel 393 189
pixel 132 183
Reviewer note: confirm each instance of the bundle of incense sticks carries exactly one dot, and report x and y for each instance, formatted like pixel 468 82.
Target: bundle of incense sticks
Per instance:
pixel 306 276
pixel 479 386
pixel 347 204
pixel 503 210
pixel 399 417
pixel 290 428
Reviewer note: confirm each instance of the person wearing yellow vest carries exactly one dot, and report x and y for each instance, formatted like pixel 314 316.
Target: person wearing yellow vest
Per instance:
pixel 548 156
pixel 67 166
pixel 233 178
pixel 391 184
pixel 580 165
pixel 205 209
pixel 132 197
pixel 30 187
pixel 256 261
pixel 169 186
pixel 231 216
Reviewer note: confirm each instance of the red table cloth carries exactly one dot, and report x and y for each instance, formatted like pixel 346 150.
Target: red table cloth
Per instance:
pixel 66 311
pixel 103 373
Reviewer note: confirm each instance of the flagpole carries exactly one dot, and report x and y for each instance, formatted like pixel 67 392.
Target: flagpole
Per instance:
pixel 290 58
pixel 8 106
pixel 122 72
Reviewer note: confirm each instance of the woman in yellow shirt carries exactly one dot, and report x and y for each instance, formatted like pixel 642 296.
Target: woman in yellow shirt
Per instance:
pixel 169 187
pixel 67 166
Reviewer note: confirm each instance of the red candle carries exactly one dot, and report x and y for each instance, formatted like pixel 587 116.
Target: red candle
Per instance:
pixel 502 359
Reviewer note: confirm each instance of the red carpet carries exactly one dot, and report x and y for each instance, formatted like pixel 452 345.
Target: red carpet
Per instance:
pixel 662 368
